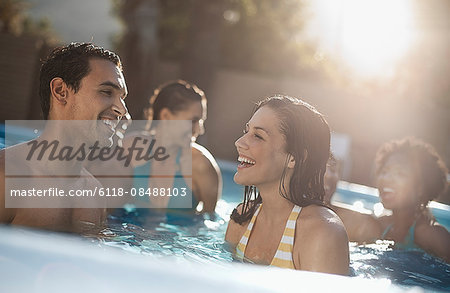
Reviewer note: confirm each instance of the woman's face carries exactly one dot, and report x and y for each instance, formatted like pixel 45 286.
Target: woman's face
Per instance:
pixel 397 183
pixel 194 113
pixel 261 150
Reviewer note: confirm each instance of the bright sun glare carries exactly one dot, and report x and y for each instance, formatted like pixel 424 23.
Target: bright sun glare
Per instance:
pixel 368 35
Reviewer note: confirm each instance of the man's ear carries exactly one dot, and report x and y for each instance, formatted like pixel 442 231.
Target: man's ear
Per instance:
pixel 59 90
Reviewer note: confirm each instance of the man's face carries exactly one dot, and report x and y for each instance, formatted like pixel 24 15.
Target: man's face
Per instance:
pixel 100 100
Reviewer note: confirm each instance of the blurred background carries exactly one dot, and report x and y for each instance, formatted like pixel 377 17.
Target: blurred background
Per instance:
pixel 378 70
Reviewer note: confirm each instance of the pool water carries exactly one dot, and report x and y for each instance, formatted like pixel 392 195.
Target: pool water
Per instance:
pixel 201 239
pixel 402 267
pixel 198 238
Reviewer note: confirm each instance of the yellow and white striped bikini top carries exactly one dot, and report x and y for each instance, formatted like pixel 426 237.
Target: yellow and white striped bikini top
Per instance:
pixel 283 256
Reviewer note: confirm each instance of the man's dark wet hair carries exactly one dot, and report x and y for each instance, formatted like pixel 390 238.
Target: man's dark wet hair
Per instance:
pixel 431 171
pixel 71 63
pixel 307 136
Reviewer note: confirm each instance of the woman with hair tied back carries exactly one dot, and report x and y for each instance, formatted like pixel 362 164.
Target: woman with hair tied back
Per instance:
pixel 179 100
pixel 282 221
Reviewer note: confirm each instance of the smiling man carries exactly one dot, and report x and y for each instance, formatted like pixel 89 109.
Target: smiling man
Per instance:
pixel 82 92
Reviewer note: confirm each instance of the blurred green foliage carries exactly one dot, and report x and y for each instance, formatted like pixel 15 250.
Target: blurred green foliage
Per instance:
pixel 15 20
pixel 262 36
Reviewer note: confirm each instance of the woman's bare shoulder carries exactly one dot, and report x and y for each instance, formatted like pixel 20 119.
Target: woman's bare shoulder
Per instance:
pixel 433 238
pixel 318 217
pixel 321 242
pixel 204 160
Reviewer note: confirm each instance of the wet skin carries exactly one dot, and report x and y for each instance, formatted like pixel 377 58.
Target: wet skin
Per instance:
pixel 320 242
pixel 400 190
pixel 206 178
pixel 398 183
pixel 100 101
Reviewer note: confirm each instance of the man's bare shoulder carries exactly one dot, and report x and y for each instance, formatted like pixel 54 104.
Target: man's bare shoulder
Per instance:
pixel 16 150
pixel 17 156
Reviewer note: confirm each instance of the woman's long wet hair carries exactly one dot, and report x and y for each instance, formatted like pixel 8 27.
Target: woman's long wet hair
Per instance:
pixel 176 96
pixel 307 138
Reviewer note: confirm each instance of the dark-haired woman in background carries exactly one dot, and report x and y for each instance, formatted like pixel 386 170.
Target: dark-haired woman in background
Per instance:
pixel 179 100
pixel 409 174
pixel 282 221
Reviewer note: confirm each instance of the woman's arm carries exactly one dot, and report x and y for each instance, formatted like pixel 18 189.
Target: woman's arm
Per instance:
pixel 360 227
pixel 235 230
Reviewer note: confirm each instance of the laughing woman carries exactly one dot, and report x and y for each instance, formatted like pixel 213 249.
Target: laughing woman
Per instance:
pixel 282 221
pixel 410 174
